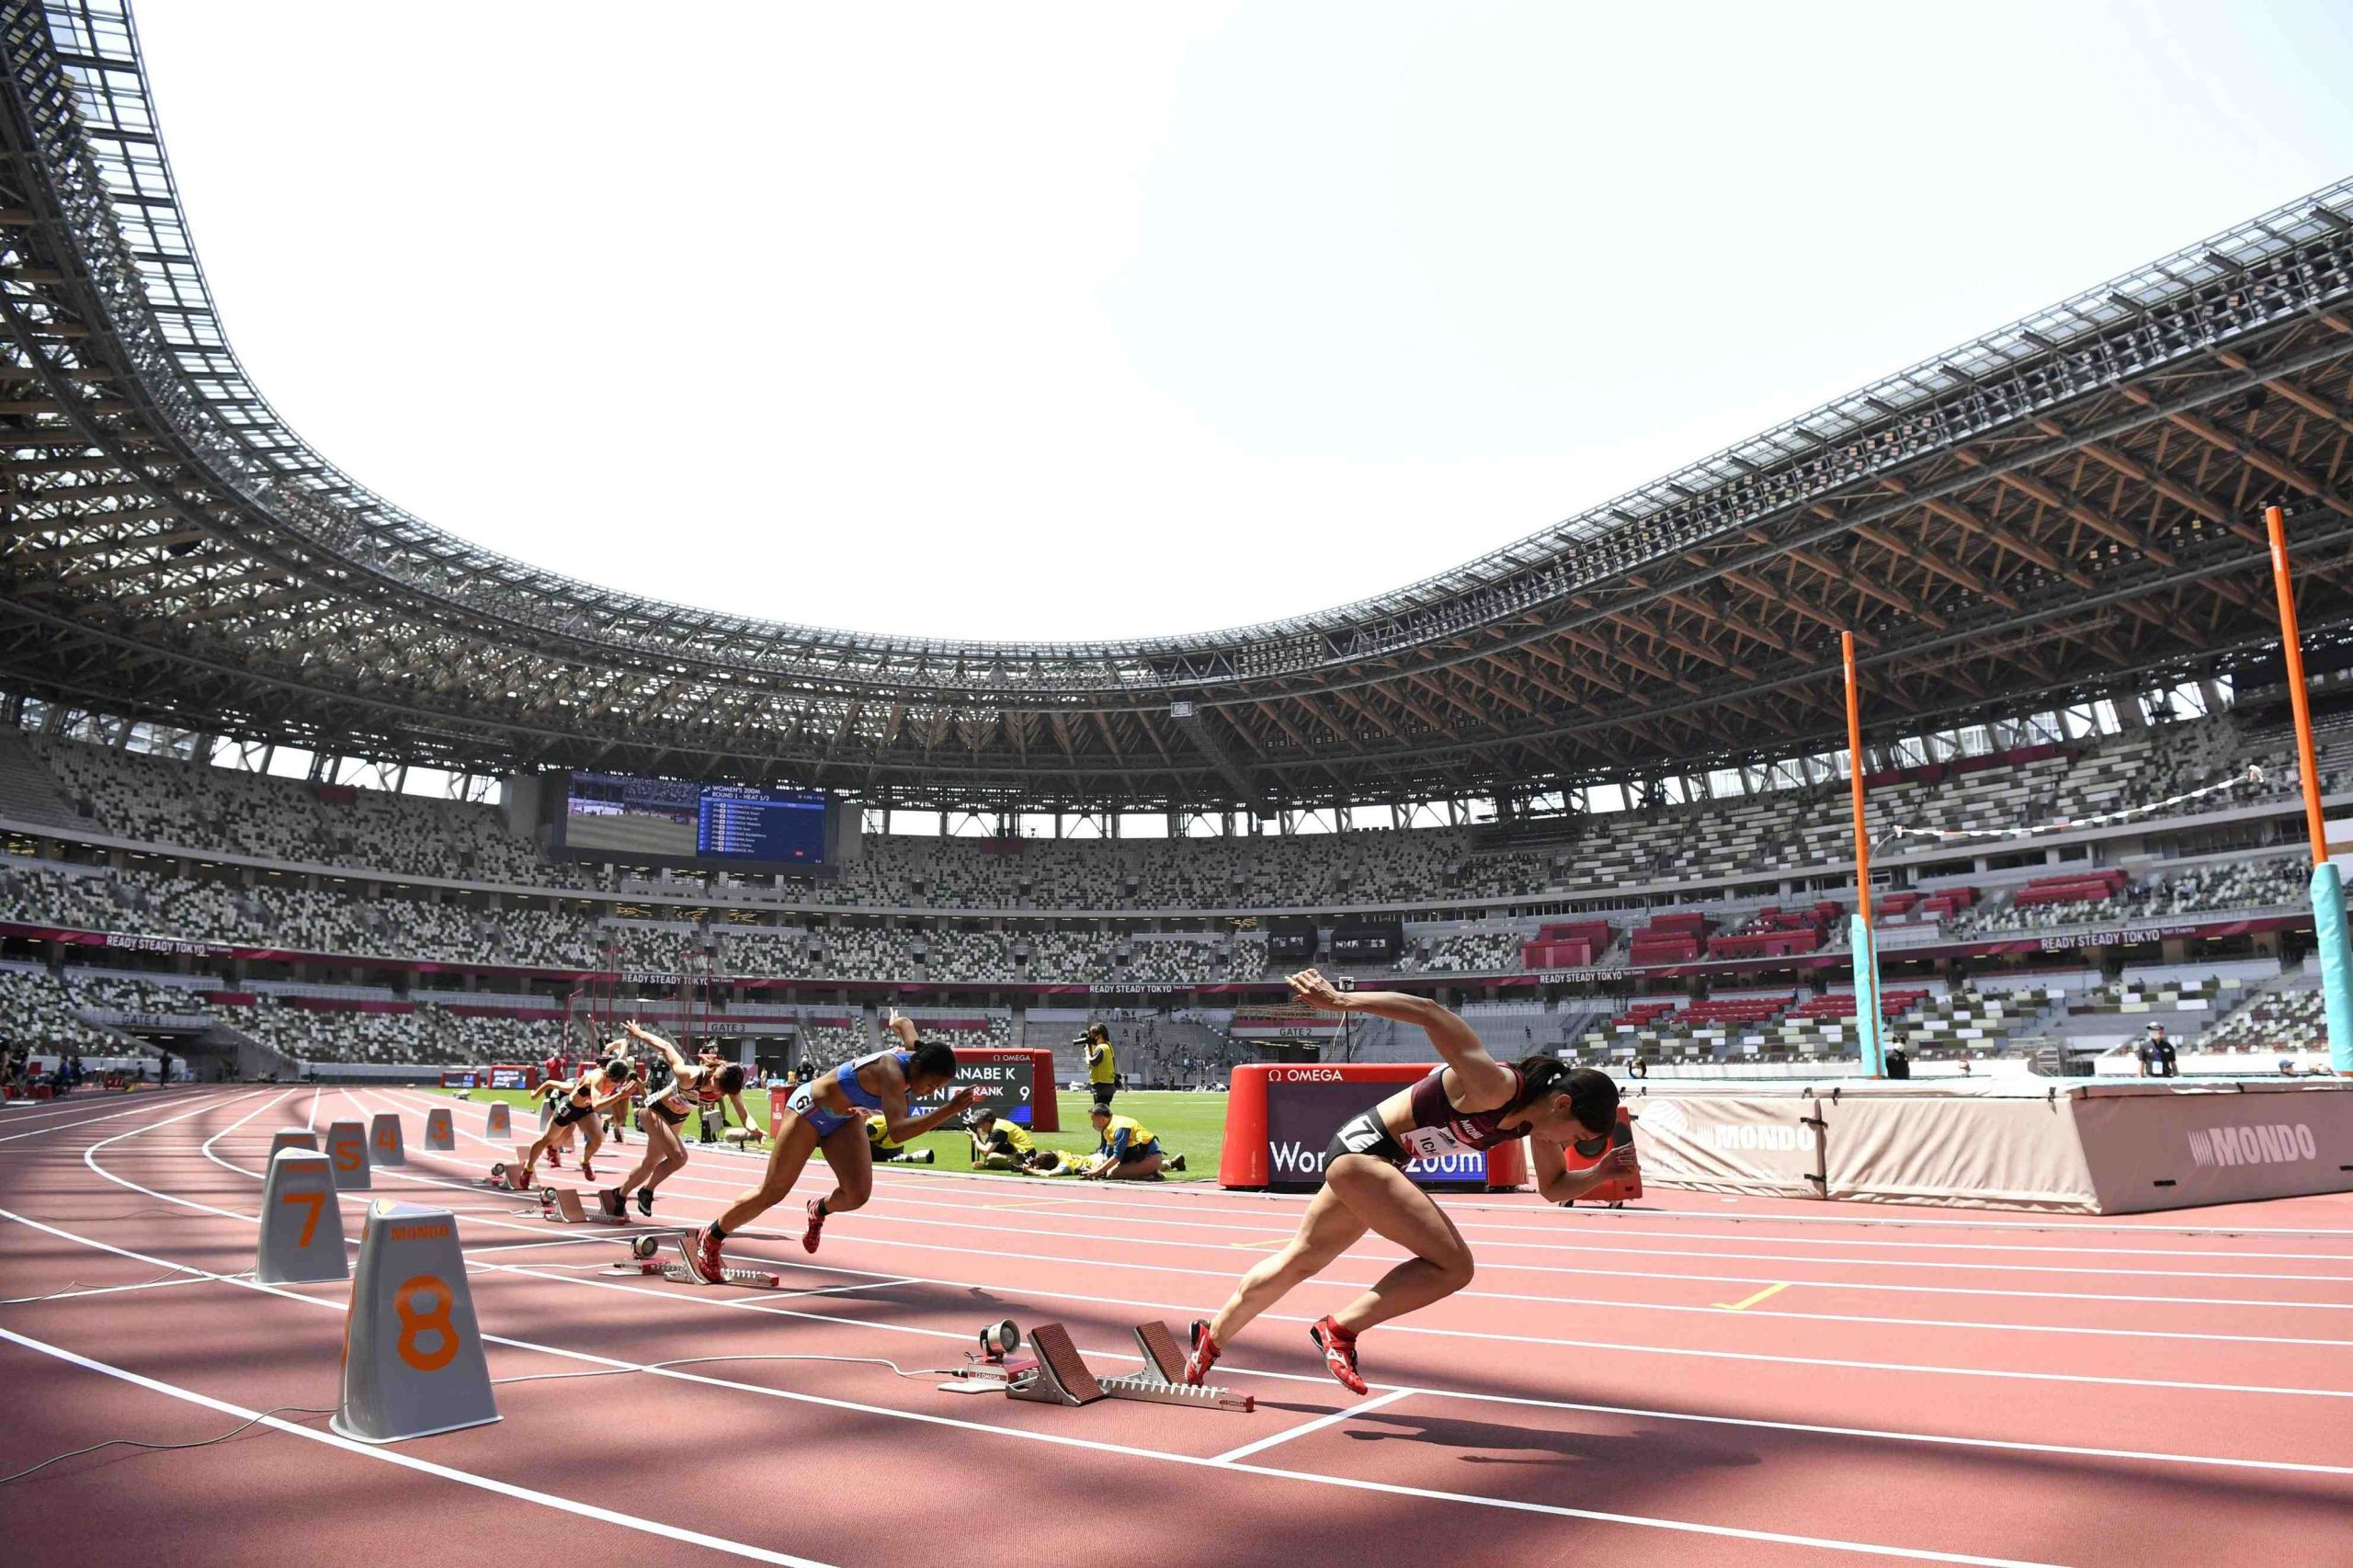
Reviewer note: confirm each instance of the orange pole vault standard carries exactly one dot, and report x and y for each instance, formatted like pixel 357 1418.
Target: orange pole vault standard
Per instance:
pixel 2332 946
pixel 2292 645
pixel 1855 778
pixel 1868 1022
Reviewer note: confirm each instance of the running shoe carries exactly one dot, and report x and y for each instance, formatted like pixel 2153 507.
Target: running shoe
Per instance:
pixel 645 1201
pixel 611 1201
pixel 817 1224
pixel 1175 1163
pixel 1204 1356
pixel 555 1159
pixel 585 1174
pixel 1339 1348
pixel 700 1251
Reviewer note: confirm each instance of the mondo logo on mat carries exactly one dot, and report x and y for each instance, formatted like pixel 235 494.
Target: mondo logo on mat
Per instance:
pixel 2273 1144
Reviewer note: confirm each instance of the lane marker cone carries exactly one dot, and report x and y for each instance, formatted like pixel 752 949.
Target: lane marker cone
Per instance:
pixel 413 1361
pixel 347 1154
pixel 302 1224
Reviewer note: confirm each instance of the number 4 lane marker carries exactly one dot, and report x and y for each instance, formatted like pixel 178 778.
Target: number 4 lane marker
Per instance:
pixel 1744 1306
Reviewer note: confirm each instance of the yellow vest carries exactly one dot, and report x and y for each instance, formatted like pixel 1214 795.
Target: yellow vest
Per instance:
pixel 1104 1068
pixel 1138 1133
pixel 878 1135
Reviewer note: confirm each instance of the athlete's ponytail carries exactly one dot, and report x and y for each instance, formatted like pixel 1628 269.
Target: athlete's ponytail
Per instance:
pixel 1540 1077
pixel 1593 1095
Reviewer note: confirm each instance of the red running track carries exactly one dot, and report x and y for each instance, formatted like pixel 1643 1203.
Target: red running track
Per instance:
pixel 1690 1381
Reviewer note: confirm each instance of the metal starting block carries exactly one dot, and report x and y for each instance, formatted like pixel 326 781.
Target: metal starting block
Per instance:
pixel 1060 1377
pixel 679 1274
pixel 562 1206
pixel 1162 1380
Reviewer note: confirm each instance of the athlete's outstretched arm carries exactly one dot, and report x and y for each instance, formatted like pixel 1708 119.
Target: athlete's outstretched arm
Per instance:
pixel 1480 1075
pixel 900 1125
pixel 1556 1182
pixel 657 1042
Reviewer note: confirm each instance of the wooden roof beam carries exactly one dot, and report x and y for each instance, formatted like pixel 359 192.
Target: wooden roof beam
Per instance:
pixel 2100 522
pixel 1847 576
pixel 1922 555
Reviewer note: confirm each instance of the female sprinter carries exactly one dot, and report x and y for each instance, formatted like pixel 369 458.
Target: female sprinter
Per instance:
pixel 600 1087
pixel 690 1083
pixel 828 1113
pixel 1471 1102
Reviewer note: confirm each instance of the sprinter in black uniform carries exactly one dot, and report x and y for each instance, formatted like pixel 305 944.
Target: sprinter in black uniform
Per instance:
pixel 1471 1102
pixel 666 1110
pixel 583 1102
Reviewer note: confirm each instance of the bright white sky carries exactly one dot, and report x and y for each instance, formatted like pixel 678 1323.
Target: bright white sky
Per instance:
pixel 1103 321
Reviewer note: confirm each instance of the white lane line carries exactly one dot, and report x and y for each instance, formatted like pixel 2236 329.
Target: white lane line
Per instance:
pixel 1347 1412
pixel 63 1125
pixel 207 1148
pixel 1684 1526
pixel 1483 1236
pixel 409 1461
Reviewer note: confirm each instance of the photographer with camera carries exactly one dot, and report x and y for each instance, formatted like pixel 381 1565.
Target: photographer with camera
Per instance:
pixel 1102 1064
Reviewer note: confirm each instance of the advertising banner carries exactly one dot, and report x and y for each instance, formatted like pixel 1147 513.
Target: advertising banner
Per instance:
pixel 1303 1114
pixel 2154 1148
pixel 1756 1143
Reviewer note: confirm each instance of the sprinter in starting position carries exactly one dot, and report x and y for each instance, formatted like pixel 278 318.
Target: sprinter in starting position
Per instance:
pixel 1471 1102
pixel 828 1113
pixel 581 1102
pixel 690 1083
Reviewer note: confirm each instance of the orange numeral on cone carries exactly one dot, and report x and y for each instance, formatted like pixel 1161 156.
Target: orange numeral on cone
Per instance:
pixel 315 1201
pixel 434 1320
pixel 348 1154
pixel 386 1139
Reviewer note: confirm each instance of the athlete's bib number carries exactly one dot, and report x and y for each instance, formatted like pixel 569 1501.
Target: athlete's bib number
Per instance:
pixel 1431 1142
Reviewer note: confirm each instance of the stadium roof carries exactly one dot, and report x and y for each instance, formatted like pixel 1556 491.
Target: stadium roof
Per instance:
pixel 2059 508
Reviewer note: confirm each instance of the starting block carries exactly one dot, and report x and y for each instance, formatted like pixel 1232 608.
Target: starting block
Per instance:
pixel 679 1274
pixel 1162 1380
pixel 1060 1376
pixel 562 1206
pixel 508 1176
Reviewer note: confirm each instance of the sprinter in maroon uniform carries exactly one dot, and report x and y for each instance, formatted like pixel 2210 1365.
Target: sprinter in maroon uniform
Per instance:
pixel 1473 1102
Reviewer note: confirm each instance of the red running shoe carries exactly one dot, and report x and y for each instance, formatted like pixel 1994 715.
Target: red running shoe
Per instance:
pixel 700 1250
pixel 817 1224
pixel 1204 1356
pixel 555 1157
pixel 1339 1348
